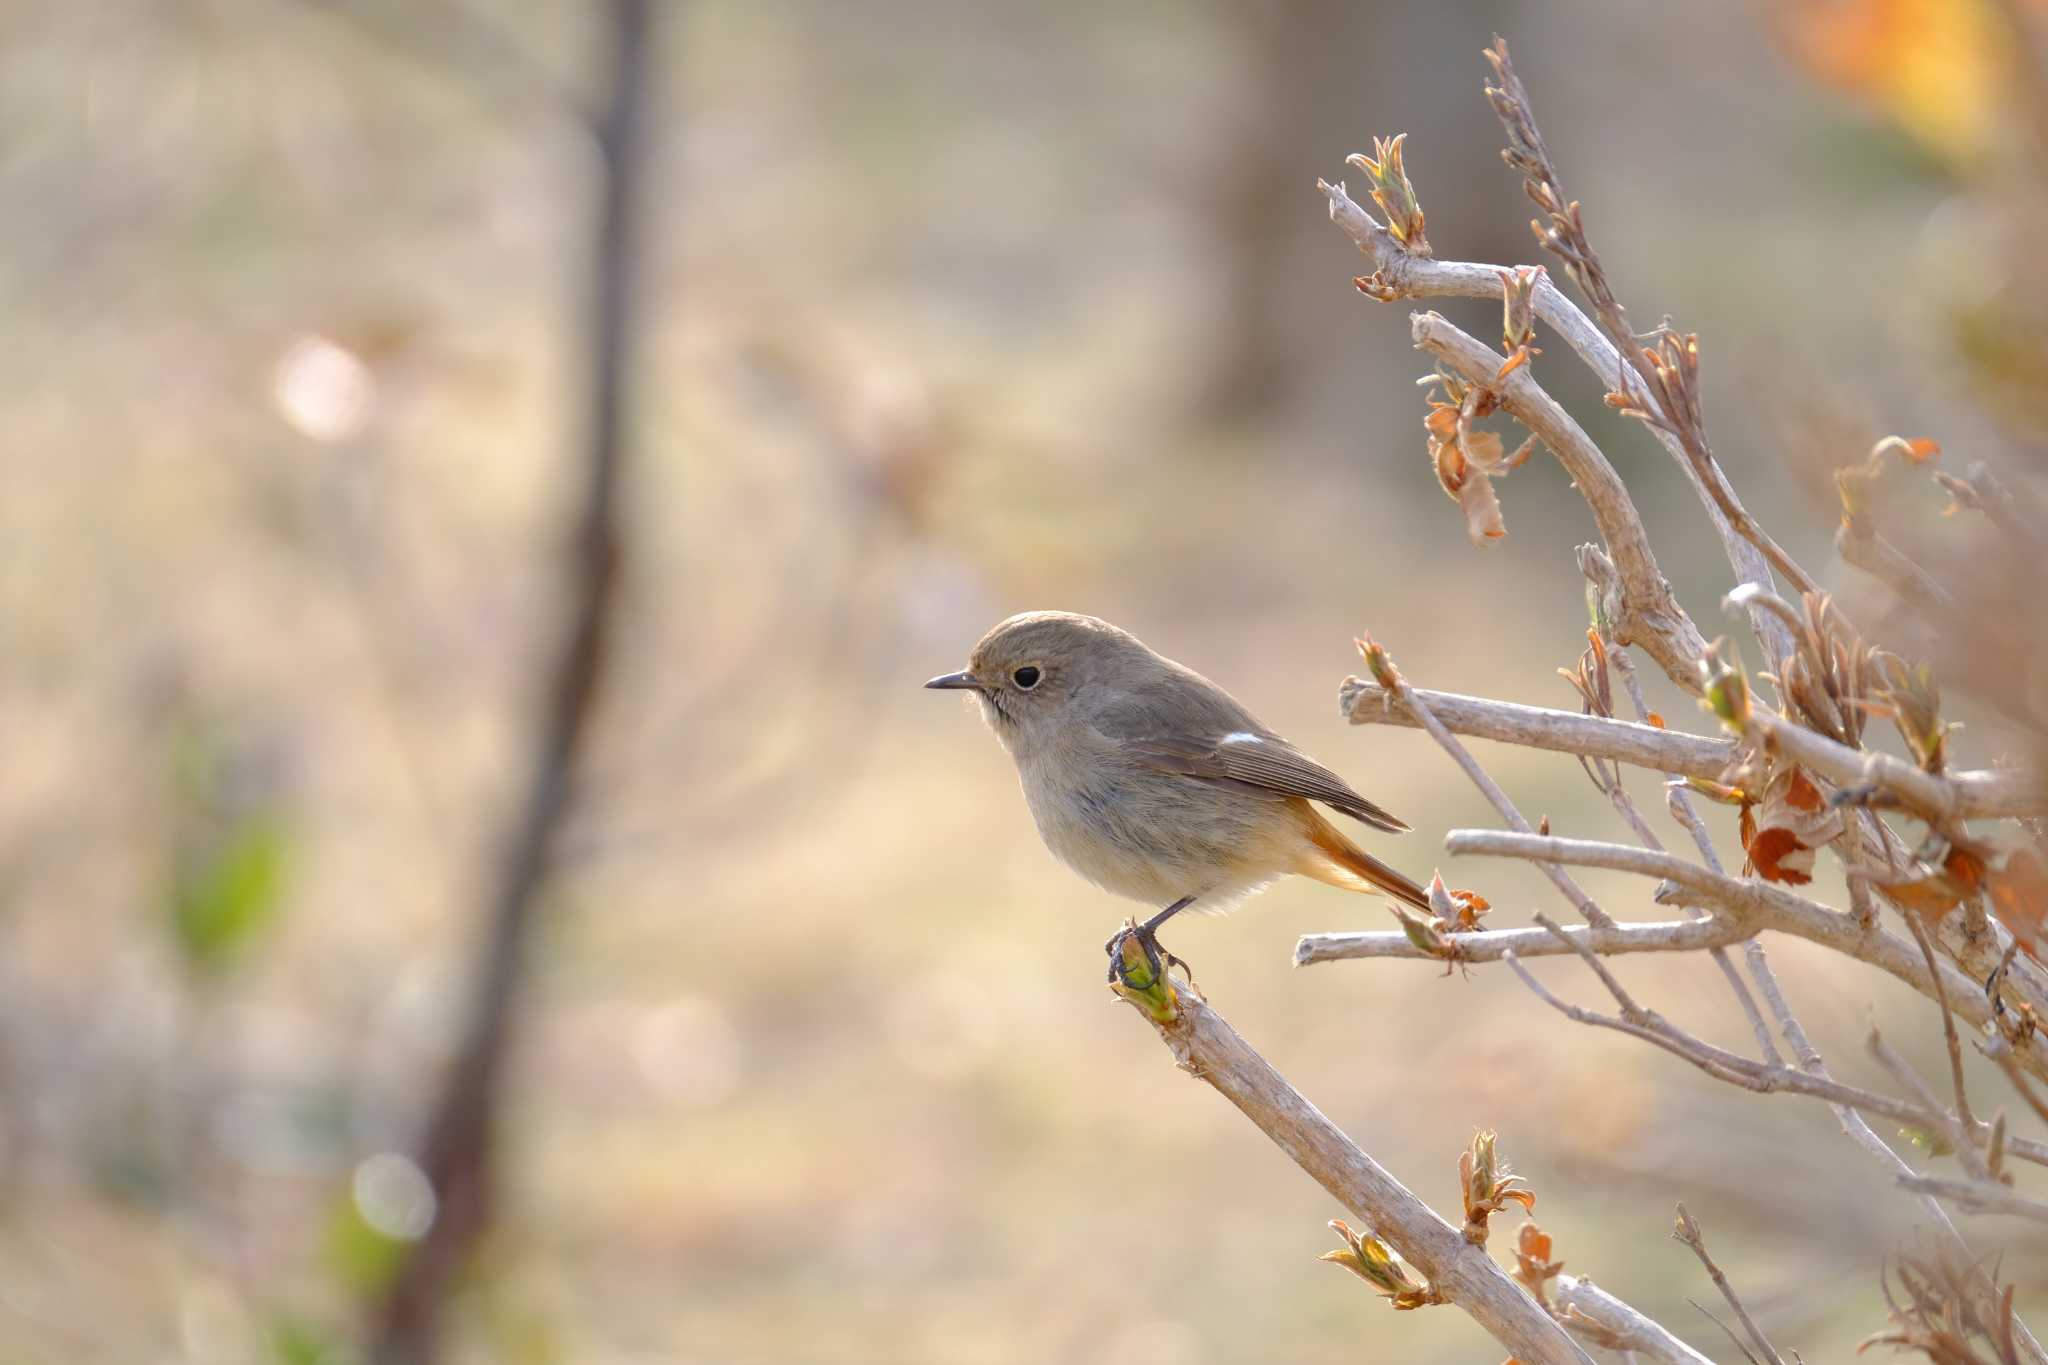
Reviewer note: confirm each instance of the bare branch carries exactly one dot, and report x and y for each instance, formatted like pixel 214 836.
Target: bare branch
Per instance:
pixel 1205 1046
pixel 1764 1078
pixel 1679 803
pixel 1391 678
pixel 1979 1196
pixel 1665 394
pixel 1579 1297
pixel 1647 613
pixel 1948 1022
pixel 1403 276
pixel 1999 1050
pixel 1491 945
pixel 1854 1126
pixel 1774 907
pixel 1654 377
pixel 1630 1010
pixel 1967 795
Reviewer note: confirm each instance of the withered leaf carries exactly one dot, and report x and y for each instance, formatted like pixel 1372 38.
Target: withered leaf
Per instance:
pixel 1482 509
pixel 1484 449
pixel 1781 832
pixel 2019 897
pixel 1470 906
pixel 1938 890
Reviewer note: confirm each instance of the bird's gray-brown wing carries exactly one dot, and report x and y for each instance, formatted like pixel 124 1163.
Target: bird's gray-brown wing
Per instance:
pixel 1201 732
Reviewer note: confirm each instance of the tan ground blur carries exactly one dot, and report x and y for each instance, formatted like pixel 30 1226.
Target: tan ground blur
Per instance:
pixel 947 311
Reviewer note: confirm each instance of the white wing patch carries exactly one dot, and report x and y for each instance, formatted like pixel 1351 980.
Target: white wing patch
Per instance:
pixel 1239 737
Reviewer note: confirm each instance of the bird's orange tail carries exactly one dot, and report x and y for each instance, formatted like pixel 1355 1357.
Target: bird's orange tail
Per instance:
pixel 1335 860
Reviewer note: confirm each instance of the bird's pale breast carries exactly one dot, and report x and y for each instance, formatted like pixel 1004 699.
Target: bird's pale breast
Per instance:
pixel 1154 836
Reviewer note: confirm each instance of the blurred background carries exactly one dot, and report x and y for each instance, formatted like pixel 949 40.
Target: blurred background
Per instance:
pixel 951 310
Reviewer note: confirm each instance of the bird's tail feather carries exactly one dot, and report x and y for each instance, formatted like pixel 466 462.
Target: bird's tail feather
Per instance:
pixel 1339 862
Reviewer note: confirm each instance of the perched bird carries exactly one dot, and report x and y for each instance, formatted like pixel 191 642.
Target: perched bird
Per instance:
pixel 1153 782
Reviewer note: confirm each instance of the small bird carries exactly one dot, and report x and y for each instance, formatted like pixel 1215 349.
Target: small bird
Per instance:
pixel 1153 782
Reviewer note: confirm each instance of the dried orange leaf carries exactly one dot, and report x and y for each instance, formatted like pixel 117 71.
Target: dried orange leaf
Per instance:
pixel 1801 794
pixel 1482 509
pixel 2019 897
pixel 1451 467
pixel 1467 907
pixel 1484 449
pixel 1778 856
pixel 1931 896
pixel 1937 891
pixel 1781 832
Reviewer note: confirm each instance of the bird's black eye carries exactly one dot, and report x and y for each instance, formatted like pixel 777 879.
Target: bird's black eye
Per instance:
pixel 1026 677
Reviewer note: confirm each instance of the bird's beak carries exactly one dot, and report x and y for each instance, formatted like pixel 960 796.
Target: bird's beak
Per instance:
pixel 955 681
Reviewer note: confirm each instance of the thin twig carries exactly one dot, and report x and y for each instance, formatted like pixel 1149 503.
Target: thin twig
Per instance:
pixel 1686 1229
pixel 2000 1051
pixel 1630 1010
pixel 1760 1077
pixel 1682 810
pixel 1579 1298
pixel 1948 1022
pixel 1961 1137
pixel 1734 1339
pixel 1665 375
pixel 1853 1124
pixel 1775 907
pixel 1481 779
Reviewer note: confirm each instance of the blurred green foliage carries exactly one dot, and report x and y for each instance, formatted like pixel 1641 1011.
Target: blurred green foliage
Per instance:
pixel 360 1255
pixel 227 893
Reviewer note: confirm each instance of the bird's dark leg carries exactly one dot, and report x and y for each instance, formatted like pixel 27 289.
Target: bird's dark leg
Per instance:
pixel 1147 934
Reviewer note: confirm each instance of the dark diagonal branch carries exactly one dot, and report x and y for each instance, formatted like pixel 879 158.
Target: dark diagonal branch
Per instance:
pixel 456 1153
